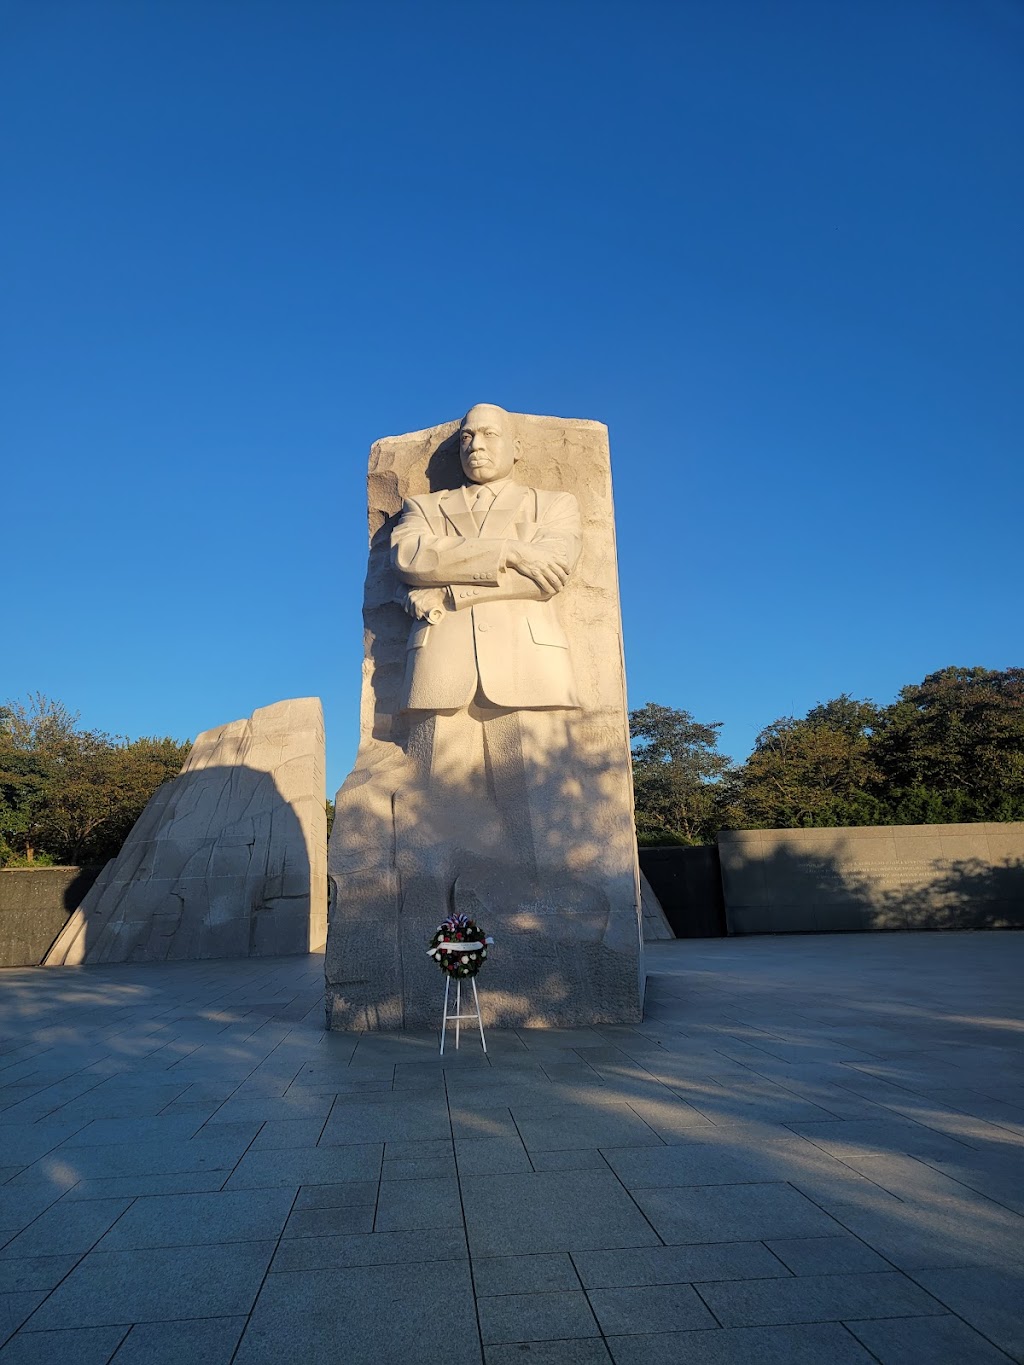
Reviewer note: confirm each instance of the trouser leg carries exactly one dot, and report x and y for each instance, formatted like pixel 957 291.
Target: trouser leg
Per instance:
pixel 486 765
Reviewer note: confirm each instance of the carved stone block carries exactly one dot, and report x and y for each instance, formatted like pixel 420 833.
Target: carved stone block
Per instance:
pixel 227 860
pixel 493 773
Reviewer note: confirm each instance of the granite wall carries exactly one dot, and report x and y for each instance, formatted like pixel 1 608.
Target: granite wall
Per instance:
pixel 35 903
pixel 688 884
pixel 779 881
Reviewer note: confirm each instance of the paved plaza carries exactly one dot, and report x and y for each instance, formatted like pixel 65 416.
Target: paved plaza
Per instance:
pixel 808 1152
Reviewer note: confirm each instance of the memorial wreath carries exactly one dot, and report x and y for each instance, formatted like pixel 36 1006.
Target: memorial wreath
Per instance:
pixel 459 946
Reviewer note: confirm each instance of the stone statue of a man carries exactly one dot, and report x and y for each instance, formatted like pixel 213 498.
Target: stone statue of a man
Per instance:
pixel 488 676
pixel 483 564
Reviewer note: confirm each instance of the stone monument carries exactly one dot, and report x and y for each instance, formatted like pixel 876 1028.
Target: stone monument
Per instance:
pixel 493 773
pixel 227 860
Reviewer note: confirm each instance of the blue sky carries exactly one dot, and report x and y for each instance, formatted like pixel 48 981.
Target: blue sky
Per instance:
pixel 776 247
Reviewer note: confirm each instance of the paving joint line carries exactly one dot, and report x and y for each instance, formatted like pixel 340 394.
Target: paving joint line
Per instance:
pixel 465 1225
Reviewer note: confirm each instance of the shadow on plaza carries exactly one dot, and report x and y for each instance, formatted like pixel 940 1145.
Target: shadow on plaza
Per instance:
pixel 678 1108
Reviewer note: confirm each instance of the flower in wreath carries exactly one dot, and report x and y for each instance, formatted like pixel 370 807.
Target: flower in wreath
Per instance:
pixel 459 946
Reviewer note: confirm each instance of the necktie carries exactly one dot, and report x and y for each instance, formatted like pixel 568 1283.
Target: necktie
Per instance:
pixel 481 504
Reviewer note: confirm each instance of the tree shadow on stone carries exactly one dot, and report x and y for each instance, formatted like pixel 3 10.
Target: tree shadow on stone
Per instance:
pixel 968 893
pixel 421 852
pixel 800 890
pixel 215 867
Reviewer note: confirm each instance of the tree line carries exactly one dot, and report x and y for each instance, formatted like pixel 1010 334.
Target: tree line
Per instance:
pixel 69 796
pixel 949 749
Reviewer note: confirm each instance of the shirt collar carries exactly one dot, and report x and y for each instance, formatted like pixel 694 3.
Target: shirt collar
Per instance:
pixel 495 487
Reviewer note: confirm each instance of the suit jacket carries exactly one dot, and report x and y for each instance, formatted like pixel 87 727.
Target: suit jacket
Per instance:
pixel 502 634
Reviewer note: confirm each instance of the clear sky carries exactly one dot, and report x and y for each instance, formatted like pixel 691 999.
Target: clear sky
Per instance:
pixel 775 246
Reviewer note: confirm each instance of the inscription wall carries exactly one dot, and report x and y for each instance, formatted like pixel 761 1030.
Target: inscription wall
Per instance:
pixel 778 881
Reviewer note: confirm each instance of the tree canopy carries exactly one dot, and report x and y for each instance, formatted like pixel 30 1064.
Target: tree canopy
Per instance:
pixel 948 749
pixel 69 795
pixel 813 772
pixel 676 772
pixel 951 748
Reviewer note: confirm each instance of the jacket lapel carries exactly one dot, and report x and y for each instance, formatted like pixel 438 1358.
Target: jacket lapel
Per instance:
pixel 456 510
pixel 503 510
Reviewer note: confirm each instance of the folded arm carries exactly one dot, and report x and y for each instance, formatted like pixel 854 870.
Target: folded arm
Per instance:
pixel 425 560
pixel 479 568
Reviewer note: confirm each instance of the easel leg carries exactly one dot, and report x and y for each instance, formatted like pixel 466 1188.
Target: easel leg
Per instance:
pixel 476 1002
pixel 458 1011
pixel 444 1021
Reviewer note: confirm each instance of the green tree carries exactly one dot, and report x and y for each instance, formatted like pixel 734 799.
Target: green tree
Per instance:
pixel 951 748
pixel 34 736
pixel 127 773
pixel 813 772
pixel 70 795
pixel 678 776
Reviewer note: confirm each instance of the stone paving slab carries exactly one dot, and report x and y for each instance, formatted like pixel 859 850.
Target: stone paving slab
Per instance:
pixel 581 1351
pixel 810 1150
pixel 198 1219
pixel 657 1307
pixel 408 1205
pixel 733 1213
pixel 551 1211
pixel 15 1308
pixel 677 1265
pixel 306 1166
pixel 799 1345
pixel 817 1298
pixel 549 1316
pixel 926 1341
pixel 159 1284
pixel 137 1186
pixel 208 1341
pixel 34 1272
pixel 82 1345
pixel 545 1273
pixel 63 1230
pixel 371 1313
pixel 377 1248
pixel 330 1222
pixel 990 1298
pixel 843 1255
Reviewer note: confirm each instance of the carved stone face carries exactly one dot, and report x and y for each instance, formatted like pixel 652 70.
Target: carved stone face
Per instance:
pixel 486 446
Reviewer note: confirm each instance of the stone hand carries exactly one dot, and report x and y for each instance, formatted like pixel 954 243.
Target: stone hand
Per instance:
pixel 427 604
pixel 547 568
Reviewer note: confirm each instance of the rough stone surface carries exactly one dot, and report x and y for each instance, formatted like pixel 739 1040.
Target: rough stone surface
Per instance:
pixel 874 877
pixel 34 907
pixel 523 820
pixel 228 860
pixel 656 926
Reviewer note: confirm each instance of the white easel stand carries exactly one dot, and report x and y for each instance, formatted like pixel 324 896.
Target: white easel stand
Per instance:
pixel 458 1016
